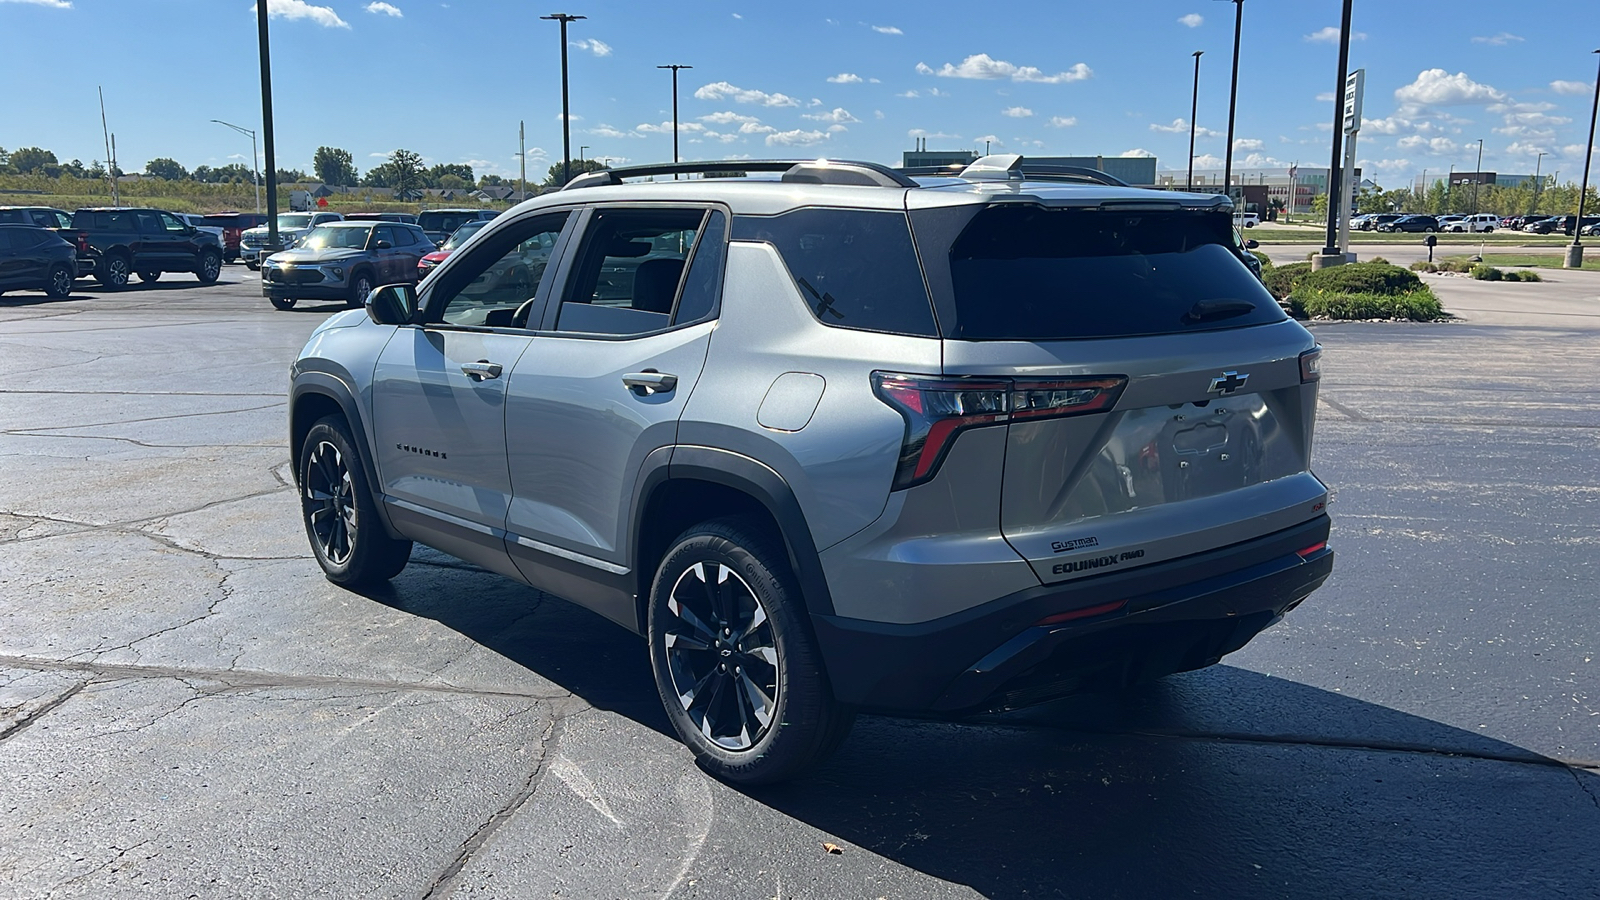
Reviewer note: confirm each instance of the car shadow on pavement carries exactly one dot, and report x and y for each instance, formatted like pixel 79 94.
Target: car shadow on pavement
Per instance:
pixel 1218 783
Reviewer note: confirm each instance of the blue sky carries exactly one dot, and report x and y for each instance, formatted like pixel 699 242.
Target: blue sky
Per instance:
pixel 863 79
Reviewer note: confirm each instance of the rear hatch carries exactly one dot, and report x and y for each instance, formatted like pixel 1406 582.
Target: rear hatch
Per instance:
pixel 1161 403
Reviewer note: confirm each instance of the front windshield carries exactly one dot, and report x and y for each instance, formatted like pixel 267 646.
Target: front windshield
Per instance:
pixel 343 237
pixel 290 221
pixel 461 234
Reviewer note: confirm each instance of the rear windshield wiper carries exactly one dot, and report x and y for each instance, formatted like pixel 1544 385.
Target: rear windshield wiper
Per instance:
pixel 1212 310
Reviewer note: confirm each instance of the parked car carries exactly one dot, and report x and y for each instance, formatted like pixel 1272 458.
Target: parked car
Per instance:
pixel 1248 219
pixel 34 258
pixel 42 216
pixel 725 414
pixel 126 240
pixel 441 223
pixel 1427 224
pixel 233 225
pixel 451 244
pixel 291 228
pixel 403 218
pixel 1543 224
pixel 344 261
pixel 199 222
pixel 1371 222
pixel 1478 222
pixel 1512 223
pixel 1592 227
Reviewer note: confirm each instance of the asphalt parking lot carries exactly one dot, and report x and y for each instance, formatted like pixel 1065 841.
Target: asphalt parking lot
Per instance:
pixel 188 709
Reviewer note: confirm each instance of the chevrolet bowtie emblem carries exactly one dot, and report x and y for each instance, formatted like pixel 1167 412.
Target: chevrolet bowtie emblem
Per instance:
pixel 1227 383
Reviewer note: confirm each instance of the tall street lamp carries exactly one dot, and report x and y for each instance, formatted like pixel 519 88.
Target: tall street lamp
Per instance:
pixel 1331 254
pixel 274 243
pixel 566 116
pixel 1233 98
pixel 581 148
pixel 255 159
pixel 1477 178
pixel 1537 182
pixel 1575 252
pixel 1194 107
pixel 674 69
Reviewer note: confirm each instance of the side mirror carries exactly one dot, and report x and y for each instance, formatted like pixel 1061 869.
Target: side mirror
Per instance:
pixel 1251 244
pixel 382 245
pixel 392 304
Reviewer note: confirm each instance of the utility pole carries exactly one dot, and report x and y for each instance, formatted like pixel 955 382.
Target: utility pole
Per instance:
pixel 1537 182
pixel 111 163
pixel 674 69
pixel 522 160
pixel 1331 255
pixel 1574 258
pixel 1233 97
pixel 274 242
pixel 1477 178
pixel 581 148
pixel 1194 108
pixel 566 110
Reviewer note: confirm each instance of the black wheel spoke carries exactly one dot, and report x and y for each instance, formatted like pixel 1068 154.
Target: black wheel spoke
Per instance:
pixel 720 657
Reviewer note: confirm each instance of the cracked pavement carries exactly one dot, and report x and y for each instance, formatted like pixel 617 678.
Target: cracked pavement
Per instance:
pixel 188 709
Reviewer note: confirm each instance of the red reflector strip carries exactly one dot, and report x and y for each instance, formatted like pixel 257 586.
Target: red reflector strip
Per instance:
pixel 1311 549
pixel 1084 613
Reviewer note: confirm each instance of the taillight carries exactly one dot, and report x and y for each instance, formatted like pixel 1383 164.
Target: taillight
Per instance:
pixel 83 242
pixel 937 409
pixel 1311 365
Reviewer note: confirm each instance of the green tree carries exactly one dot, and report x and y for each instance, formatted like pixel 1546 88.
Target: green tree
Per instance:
pixel 579 167
pixel 451 182
pixel 335 166
pixel 292 176
pixel 166 169
pixel 492 180
pixel 460 170
pixel 27 160
pixel 403 171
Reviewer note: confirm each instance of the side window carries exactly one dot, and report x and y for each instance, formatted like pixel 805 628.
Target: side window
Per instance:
pixel 149 222
pixel 854 268
pixel 12 217
pixel 703 286
pixel 418 236
pixel 385 233
pixel 496 285
pixel 628 271
pixel 171 223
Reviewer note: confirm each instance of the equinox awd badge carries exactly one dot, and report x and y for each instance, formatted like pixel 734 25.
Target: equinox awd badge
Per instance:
pixel 1227 383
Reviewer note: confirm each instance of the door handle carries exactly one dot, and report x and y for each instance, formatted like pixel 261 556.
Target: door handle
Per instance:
pixel 650 382
pixel 481 370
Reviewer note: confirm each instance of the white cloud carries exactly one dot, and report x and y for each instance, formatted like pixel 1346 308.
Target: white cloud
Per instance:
pixel 666 128
pixel 1181 126
pixel 1204 161
pixel 983 66
pixel 1439 146
pixel 874 81
pixel 1193 20
pixel 1330 35
pixel 387 9
pixel 1325 97
pixel 569 118
pixel 988 139
pixel 907 94
pixel 53 4
pixel 1574 88
pixel 1387 165
pixel 737 16
pixel 838 116
pixel 844 78
pixel 727 117
pixel 1062 121
pixel 300 9
pixel 1575 151
pixel 796 138
pixel 878 114
pixel 1499 40
pixel 932 135
pixel 887 29
pixel 1249 144
pixel 756 128
pixel 935 92
pixel 1017 112
pixel 607 131
pixel 1137 153
pixel 718 90
pixel 598 48
pixel 1436 87
pixel 1262 161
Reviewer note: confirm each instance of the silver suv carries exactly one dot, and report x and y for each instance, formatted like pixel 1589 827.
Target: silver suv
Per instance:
pixel 833 438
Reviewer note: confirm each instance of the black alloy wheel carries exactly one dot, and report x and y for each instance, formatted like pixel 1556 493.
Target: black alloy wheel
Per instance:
pixel 210 267
pixel 734 661
pixel 60 283
pixel 341 519
pixel 113 272
pixel 360 287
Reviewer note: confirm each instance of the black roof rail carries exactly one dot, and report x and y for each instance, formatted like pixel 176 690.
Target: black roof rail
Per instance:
pixel 994 168
pixel 805 171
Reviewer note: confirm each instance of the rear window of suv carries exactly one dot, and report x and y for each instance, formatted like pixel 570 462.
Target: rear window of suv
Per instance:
pixel 1026 273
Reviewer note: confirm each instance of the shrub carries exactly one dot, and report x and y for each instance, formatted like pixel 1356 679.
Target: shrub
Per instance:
pixel 1523 275
pixel 1423 265
pixel 1419 305
pixel 1455 265
pixel 1378 259
pixel 1265 263
pixel 1281 280
pixel 1362 278
pixel 1487 273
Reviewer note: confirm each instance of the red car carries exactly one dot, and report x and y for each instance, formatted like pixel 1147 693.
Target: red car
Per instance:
pixel 233 224
pixel 456 239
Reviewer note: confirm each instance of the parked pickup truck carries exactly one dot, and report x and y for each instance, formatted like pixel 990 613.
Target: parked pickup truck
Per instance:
pixel 128 240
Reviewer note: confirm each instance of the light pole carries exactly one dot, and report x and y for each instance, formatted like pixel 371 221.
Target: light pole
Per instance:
pixel 1194 107
pixel 255 159
pixel 1233 97
pixel 1331 254
pixel 581 148
pixel 1477 178
pixel 566 113
pixel 1536 183
pixel 274 243
pixel 674 69
pixel 1575 252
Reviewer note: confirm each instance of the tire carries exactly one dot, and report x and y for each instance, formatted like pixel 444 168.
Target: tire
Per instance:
pixel 282 302
pixel 360 287
pixel 1428 230
pixel 113 272
pixel 210 268
pixel 150 277
pixel 336 506
pixel 252 265
pixel 768 712
pixel 59 283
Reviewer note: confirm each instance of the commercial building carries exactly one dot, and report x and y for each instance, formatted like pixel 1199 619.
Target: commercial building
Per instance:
pixel 1459 178
pixel 1292 187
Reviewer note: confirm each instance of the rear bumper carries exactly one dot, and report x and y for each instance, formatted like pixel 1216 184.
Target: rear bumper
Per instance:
pixel 319 291
pixel 1169 617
